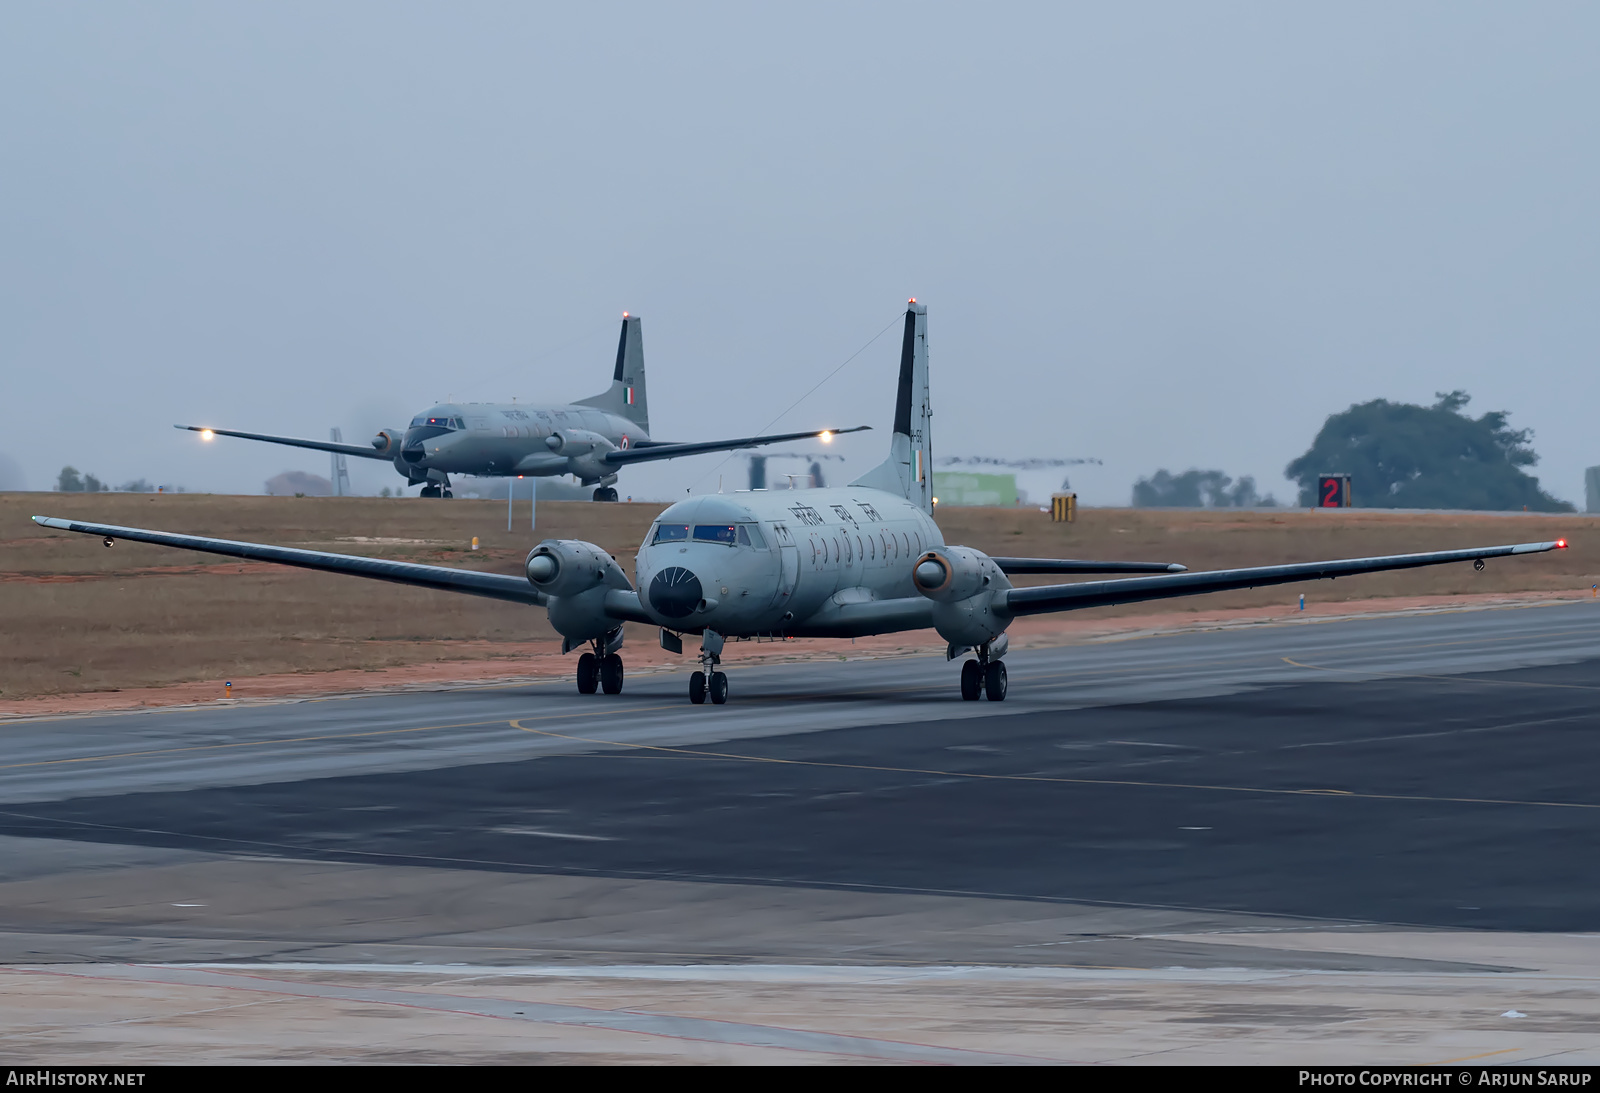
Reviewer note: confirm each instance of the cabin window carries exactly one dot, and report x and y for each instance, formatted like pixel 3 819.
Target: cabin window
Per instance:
pixel 670 533
pixel 714 533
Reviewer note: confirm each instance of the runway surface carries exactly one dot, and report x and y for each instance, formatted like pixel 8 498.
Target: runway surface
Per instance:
pixel 1206 800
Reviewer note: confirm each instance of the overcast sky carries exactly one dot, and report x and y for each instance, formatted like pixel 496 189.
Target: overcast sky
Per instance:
pixel 1160 235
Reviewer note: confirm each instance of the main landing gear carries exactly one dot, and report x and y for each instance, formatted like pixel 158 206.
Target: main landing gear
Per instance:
pixel 600 670
pixel 606 493
pixel 983 676
pixel 432 490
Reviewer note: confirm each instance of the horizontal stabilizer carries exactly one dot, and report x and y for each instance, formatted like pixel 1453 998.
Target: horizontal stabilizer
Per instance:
pixel 496 586
pixel 1024 566
pixel 364 451
pixel 1071 597
pixel 664 450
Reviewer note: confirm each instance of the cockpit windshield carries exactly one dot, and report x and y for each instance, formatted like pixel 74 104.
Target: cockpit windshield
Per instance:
pixel 422 421
pixel 745 535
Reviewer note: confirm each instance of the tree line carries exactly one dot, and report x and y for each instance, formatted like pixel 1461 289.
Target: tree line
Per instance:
pixel 1398 455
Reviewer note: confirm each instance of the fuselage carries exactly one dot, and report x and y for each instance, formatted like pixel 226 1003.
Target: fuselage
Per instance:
pixel 503 439
pixel 781 561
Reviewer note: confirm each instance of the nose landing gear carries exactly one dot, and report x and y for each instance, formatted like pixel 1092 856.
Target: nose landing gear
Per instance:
pixel 709 681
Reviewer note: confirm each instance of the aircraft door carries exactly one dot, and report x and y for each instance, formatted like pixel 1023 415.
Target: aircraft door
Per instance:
pixel 789 571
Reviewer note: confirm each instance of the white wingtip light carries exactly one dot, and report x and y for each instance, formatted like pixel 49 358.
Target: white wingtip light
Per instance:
pixel 207 434
pixel 826 437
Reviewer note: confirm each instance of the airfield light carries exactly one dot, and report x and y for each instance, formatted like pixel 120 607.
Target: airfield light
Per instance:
pixel 207 434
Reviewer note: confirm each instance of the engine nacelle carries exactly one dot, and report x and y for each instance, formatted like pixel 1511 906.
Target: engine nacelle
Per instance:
pixel 576 442
pixel 387 443
pixel 567 567
pixel 956 573
pixel 963 584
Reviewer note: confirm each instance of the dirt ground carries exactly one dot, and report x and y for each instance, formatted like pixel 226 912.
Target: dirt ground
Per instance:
pixel 86 627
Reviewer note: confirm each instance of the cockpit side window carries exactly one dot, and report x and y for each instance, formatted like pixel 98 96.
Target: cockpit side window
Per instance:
pixel 670 533
pixel 750 536
pixel 714 533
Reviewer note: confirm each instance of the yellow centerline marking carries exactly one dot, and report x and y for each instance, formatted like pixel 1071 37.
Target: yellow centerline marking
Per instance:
pixel 1468 1058
pixel 696 753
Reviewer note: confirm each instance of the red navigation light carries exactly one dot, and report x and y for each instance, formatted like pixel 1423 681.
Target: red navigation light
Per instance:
pixel 912 300
pixel 1561 544
pixel 624 314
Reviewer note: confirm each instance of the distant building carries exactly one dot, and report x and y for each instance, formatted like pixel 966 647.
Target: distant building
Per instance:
pixel 960 488
pixel 291 483
pixel 1591 489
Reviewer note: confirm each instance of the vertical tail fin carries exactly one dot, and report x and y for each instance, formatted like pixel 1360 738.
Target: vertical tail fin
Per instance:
pixel 627 393
pixel 909 469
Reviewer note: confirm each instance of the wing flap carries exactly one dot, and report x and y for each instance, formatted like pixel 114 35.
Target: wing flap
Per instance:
pixel 364 451
pixel 1024 566
pixel 655 450
pixel 1069 597
pixel 496 586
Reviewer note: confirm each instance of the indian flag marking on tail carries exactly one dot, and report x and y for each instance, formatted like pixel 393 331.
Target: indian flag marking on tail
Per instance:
pixel 630 396
pixel 919 464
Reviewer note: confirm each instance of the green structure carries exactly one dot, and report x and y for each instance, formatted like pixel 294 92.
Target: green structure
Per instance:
pixel 957 488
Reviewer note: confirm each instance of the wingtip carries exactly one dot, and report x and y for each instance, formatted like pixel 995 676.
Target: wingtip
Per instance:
pixel 1176 568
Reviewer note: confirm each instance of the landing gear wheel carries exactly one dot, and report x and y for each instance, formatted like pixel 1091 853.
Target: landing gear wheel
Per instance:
pixel 971 680
pixel 719 688
pixel 447 493
pixel 611 674
pixel 588 673
pixel 697 688
pixel 994 681
pixel 605 493
pixel 429 491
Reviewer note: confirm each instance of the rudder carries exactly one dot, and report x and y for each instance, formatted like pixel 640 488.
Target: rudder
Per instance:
pixel 626 396
pixel 909 469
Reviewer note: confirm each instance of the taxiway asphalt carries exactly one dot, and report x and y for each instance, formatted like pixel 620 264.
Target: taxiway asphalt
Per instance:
pixel 1209 801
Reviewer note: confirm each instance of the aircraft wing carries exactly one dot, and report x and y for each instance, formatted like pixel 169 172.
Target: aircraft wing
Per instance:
pixel 496 586
pixel 1075 565
pixel 1069 597
pixel 663 450
pixel 365 451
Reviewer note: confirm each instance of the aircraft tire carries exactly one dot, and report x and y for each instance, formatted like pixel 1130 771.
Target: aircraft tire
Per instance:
pixel 697 688
pixel 971 681
pixel 994 682
pixel 611 674
pixel 719 688
pixel 588 673
pixel 447 493
pixel 429 491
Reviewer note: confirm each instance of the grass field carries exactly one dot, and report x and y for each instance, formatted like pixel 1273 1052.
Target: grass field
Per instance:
pixel 76 617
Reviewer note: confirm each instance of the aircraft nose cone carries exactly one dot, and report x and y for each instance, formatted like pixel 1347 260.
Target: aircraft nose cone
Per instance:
pixel 930 574
pixel 542 567
pixel 675 592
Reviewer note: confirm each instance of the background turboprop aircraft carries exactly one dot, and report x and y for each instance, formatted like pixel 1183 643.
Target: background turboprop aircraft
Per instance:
pixel 591 439
pixel 844 562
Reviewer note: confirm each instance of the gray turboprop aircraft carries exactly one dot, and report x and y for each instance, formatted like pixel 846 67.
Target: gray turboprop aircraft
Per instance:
pixel 591 439
pixel 843 562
